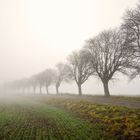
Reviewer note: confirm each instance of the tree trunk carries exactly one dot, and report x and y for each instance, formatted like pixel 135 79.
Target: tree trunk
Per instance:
pixel 106 89
pixel 47 90
pixel 79 89
pixel 57 90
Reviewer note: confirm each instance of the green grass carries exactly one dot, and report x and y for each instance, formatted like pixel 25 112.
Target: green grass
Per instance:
pixel 28 120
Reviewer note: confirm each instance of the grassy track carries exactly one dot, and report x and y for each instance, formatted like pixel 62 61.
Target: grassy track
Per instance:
pixel 28 120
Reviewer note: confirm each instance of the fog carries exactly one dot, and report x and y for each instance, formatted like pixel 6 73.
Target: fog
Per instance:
pixel 37 34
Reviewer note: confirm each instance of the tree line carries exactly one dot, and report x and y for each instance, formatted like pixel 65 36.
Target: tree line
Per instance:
pixel 110 52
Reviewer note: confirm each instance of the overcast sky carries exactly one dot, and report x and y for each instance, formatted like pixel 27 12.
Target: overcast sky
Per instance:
pixel 37 34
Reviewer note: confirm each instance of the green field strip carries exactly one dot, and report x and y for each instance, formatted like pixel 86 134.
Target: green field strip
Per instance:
pixel 38 121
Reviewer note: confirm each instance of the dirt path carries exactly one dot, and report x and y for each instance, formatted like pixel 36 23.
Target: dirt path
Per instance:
pixel 131 102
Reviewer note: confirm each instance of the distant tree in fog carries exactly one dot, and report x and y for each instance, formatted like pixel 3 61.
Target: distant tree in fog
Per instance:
pixel 25 84
pixel 81 68
pixel 40 81
pixel 109 54
pixel 33 82
pixel 62 73
pixel 18 85
pixel 48 77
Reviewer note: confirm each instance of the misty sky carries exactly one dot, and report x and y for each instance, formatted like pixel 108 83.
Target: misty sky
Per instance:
pixel 37 34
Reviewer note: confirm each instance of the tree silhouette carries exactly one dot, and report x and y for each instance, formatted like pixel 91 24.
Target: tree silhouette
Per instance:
pixel 62 73
pixel 80 68
pixel 108 55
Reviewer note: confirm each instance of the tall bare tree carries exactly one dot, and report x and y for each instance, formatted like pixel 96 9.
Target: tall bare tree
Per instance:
pixel 80 68
pixel 62 73
pixel 108 55
pixel 48 78
pixel 131 28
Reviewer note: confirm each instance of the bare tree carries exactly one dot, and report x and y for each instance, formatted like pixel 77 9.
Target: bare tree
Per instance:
pixel 33 82
pixel 48 78
pixel 26 84
pixel 131 28
pixel 22 84
pixel 62 73
pixel 40 81
pixel 80 68
pixel 108 55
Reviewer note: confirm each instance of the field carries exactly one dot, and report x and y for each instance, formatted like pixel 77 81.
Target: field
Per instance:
pixel 68 118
